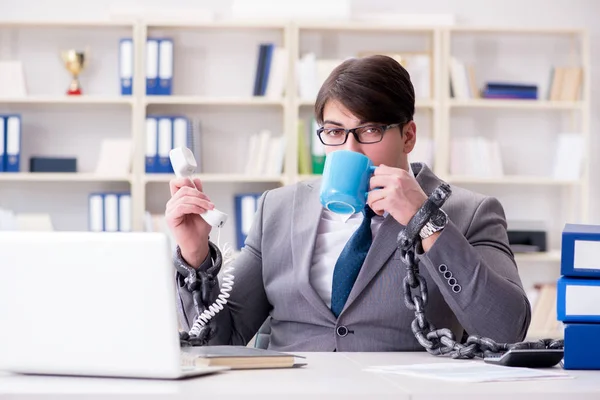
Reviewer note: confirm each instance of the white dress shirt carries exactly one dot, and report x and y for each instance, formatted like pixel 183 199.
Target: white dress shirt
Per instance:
pixel 333 233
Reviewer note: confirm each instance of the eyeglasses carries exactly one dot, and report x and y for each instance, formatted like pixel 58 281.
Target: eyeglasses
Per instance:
pixel 366 134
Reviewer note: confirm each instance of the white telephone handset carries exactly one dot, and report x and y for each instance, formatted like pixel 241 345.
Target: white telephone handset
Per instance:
pixel 184 164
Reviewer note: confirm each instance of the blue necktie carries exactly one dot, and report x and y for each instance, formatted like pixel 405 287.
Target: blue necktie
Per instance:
pixel 350 261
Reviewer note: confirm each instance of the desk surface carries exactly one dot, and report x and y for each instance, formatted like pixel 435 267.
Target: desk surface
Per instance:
pixel 326 375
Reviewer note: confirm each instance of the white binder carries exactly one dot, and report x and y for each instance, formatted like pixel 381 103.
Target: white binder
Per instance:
pixel 165 144
pixel 126 66
pixel 152 66
pixel 151 145
pixel 165 66
pixel 111 212
pixel 125 212
pixel 13 144
pixel 96 212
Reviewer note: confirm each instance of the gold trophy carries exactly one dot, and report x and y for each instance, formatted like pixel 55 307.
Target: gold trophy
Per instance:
pixel 74 62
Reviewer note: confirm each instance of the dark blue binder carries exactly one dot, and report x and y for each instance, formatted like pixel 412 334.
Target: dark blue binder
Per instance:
pixel 580 251
pixel 262 52
pixel 580 351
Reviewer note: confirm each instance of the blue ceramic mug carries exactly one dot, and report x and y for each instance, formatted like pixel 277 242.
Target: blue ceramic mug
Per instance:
pixel 345 183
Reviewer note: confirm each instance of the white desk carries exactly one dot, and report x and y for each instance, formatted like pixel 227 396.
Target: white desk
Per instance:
pixel 327 375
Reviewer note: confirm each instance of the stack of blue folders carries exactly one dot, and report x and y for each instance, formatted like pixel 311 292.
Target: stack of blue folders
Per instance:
pixel 578 295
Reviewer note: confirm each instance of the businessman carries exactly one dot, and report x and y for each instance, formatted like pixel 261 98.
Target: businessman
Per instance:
pixel 291 267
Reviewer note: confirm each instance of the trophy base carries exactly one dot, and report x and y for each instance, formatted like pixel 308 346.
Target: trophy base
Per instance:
pixel 74 88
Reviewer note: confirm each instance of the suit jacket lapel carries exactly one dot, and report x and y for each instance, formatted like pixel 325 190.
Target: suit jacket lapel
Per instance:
pixel 307 215
pixel 384 244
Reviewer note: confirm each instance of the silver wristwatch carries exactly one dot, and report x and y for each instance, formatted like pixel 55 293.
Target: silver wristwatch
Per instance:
pixel 436 223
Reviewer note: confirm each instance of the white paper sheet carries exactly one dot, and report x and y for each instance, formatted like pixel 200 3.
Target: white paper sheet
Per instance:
pixel 469 371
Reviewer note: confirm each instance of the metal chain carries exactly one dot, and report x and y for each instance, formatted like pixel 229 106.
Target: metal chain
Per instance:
pixel 442 341
pixel 200 284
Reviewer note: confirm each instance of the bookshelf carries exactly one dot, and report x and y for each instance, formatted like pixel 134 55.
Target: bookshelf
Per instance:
pixel 207 54
pixel 523 188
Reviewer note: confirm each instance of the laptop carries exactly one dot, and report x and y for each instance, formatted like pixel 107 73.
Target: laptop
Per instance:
pixel 90 304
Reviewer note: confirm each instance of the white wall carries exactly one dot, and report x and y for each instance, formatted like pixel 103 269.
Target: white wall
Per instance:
pixel 555 13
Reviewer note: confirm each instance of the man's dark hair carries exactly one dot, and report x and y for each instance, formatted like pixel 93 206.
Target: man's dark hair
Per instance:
pixel 375 89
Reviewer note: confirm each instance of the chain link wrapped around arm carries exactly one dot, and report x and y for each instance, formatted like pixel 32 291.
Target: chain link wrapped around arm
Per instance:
pixel 200 284
pixel 442 341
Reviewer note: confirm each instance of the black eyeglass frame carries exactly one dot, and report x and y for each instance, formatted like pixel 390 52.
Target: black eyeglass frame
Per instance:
pixel 353 131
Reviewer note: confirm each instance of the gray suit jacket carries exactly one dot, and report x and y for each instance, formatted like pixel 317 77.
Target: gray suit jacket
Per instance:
pixel 272 279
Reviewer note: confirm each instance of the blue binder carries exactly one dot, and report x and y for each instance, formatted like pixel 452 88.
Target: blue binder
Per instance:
pixel 126 66
pixel 575 300
pixel 266 68
pixel 580 250
pixel 245 208
pixel 151 66
pixel 151 145
pixel 165 67
pixel 580 353
pixel 12 143
pixel 2 144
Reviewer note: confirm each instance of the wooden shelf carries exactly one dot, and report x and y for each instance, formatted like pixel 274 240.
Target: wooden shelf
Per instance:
pixel 363 26
pixel 418 103
pixel 68 100
pixel 511 180
pixel 549 256
pixel 516 104
pixel 223 24
pixel 516 30
pixel 215 101
pixel 59 177
pixel 218 178
pixel 67 24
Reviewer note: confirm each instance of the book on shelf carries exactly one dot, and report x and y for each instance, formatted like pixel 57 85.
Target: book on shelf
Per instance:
pixel 238 357
pixel 565 83
pixel 510 90
pixel 271 71
pixel 266 154
pixel 476 156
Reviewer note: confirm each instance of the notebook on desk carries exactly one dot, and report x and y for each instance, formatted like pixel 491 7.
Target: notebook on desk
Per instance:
pixel 90 304
pixel 238 357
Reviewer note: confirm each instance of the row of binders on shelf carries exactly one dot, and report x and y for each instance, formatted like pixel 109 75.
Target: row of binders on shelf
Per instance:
pixel 110 212
pixel 164 133
pixel 271 71
pixel 10 143
pixel 159 66
pixel 578 295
